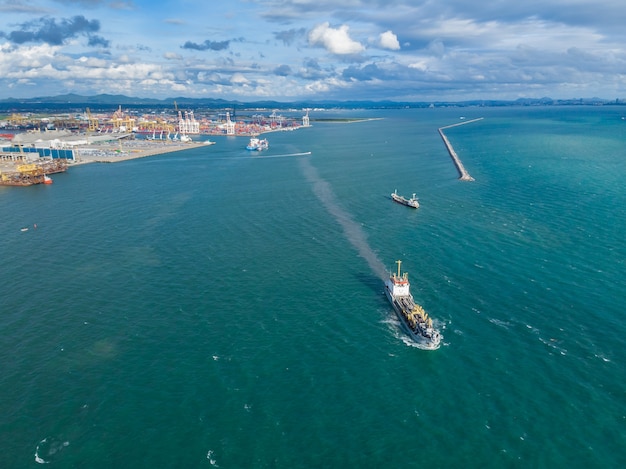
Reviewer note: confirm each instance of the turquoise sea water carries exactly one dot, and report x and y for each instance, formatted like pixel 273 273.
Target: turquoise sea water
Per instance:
pixel 211 308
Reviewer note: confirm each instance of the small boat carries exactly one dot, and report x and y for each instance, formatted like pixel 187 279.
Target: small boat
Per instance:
pixel 47 179
pixel 257 144
pixel 209 142
pixel 412 202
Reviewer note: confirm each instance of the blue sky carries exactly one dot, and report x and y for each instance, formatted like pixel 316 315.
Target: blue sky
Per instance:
pixel 415 50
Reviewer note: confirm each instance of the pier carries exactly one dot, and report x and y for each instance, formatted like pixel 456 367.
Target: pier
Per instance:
pixel 114 153
pixel 464 175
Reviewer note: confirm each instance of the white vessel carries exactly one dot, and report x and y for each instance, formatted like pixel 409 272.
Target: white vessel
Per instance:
pixel 257 144
pixel 412 202
pixel 412 316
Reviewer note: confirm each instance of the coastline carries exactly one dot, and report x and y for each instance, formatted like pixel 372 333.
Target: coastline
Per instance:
pixel 116 151
pixel 135 149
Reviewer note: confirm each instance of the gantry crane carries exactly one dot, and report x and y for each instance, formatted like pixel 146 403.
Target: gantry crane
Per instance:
pixel 93 121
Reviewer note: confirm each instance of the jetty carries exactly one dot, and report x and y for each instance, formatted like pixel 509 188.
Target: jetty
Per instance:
pixel 464 175
pixel 115 153
pixel 26 168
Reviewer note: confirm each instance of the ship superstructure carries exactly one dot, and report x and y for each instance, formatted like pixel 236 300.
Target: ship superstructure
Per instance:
pixel 412 316
pixel 257 144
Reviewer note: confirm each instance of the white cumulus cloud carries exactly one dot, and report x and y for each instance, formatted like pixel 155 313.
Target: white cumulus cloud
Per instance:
pixel 238 79
pixel 388 40
pixel 335 40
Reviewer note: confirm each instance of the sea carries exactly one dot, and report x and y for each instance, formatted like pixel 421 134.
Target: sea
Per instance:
pixel 223 308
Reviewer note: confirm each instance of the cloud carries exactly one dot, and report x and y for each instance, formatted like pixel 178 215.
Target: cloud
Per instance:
pixel 119 5
pixel 95 40
pixel 288 37
pixel 17 6
pixel 83 2
pixel 47 30
pixel 367 73
pixel 311 70
pixel 172 56
pixel 206 45
pixel 175 21
pixel 336 41
pixel 389 40
pixel 312 64
pixel 282 70
pixel 114 4
pixel 301 48
pixel 239 80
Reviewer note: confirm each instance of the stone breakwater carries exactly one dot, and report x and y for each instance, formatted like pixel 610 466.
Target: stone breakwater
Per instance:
pixel 464 175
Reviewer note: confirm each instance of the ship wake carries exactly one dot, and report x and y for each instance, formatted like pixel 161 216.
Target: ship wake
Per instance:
pixel 396 329
pixel 353 231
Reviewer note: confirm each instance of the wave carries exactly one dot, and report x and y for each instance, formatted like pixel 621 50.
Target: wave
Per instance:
pixel 48 448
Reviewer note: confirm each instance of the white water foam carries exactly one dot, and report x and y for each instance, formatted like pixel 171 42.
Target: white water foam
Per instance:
pixel 48 448
pixel 398 333
pixel 264 157
pixel 499 322
pixel 284 156
pixel 209 456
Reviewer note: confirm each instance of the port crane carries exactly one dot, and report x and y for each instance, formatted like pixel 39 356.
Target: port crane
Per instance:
pixel 93 121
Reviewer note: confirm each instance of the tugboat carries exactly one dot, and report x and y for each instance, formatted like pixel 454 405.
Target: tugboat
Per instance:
pixel 412 202
pixel 257 144
pixel 412 316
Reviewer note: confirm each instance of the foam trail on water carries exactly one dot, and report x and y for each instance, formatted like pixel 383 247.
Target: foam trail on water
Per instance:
pixel 287 155
pixel 257 156
pixel 353 231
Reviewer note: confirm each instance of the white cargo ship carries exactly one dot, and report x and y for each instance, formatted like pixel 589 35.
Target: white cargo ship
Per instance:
pixel 412 202
pixel 412 316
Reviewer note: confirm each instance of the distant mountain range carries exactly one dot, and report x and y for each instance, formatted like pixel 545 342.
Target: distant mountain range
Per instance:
pixel 107 101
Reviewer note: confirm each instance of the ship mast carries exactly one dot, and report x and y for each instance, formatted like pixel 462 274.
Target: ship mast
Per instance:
pixel 398 262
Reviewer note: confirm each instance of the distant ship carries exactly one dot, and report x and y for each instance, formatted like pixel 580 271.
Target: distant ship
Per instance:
pixel 412 202
pixel 257 144
pixel 413 317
